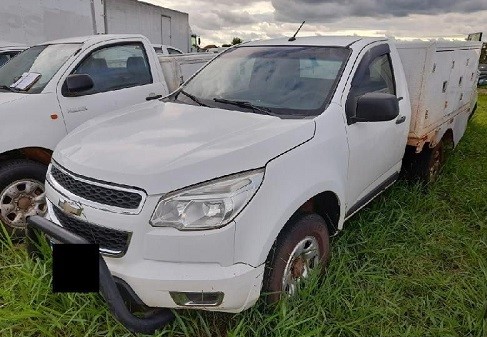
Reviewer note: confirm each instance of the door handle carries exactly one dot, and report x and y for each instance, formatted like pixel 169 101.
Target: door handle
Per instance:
pixel 400 119
pixel 152 97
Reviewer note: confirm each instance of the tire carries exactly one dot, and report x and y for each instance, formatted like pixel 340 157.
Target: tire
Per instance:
pixel 426 165
pixel 308 228
pixel 21 194
pixel 473 111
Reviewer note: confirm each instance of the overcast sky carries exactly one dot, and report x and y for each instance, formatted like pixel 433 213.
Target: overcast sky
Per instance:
pixel 218 21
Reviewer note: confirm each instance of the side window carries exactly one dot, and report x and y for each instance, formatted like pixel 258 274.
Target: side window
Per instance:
pixel 116 67
pixel 375 76
pixel 173 51
pixel 4 58
pixel 7 56
pixel 381 74
pixel 378 77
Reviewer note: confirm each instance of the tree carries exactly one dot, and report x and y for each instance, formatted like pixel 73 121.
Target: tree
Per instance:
pixel 236 40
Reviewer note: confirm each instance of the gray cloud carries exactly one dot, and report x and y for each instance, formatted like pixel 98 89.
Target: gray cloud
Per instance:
pixel 235 18
pixel 332 10
pixel 218 21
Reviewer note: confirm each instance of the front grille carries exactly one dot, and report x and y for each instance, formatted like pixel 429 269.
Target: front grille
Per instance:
pixel 95 193
pixel 111 241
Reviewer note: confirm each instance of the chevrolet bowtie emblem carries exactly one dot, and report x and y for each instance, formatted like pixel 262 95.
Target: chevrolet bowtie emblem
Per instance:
pixel 70 207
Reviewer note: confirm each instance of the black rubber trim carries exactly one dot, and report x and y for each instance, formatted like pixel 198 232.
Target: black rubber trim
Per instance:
pixel 108 288
pixel 372 194
pixel 132 300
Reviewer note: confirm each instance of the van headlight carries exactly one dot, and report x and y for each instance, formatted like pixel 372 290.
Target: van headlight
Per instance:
pixel 208 205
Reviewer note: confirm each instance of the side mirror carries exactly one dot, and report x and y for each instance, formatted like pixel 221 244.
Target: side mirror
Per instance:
pixel 77 83
pixel 376 107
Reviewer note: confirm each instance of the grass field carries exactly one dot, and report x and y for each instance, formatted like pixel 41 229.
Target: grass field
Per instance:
pixel 410 264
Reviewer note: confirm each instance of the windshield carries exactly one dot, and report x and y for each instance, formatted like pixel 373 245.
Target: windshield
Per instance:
pixel 44 60
pixel 281 80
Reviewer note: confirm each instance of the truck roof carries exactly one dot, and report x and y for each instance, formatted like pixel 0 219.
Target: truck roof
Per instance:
pixel 440 45
pixel 336 41
pixel 91 39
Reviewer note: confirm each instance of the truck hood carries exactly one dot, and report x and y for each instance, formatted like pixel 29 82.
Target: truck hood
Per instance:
pixel 161 147
pixel 9 97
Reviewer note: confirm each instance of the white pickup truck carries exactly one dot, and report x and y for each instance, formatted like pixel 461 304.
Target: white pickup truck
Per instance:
pixel 233 186
pixel 66 83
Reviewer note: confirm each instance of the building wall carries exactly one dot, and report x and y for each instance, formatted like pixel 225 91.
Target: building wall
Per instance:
pixel 160 25
pixel 35 21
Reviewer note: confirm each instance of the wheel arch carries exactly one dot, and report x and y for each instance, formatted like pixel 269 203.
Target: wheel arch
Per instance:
pixel 448 138
pixel 37 154
pixel 327 204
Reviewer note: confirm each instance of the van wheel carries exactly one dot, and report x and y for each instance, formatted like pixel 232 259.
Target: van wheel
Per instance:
pixel 22 194
pixel 302 246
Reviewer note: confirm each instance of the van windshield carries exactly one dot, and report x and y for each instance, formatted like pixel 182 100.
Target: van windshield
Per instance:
pixel 278 80
pixel 44 60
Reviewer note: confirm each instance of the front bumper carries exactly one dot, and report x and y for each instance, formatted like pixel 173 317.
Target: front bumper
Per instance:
pixel 161 262
pixel 156 282
pixel 108 288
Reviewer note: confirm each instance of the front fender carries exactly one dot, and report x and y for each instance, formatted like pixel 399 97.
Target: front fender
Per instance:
pixel 27 122
pixel 290 180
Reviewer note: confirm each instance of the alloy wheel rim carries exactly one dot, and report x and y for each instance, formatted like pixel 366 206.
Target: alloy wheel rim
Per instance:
pixel 304 257
pixel 21 199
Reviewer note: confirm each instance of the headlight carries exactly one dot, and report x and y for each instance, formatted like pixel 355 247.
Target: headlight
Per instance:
pixel 208 205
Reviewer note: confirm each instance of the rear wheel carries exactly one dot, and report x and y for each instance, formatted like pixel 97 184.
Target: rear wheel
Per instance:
pixel 22 194
pixel 426 165
pixel 435 162
pixel 473 111
pixel 301 247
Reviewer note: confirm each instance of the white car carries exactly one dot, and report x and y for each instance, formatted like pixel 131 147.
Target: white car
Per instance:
pixel 233 186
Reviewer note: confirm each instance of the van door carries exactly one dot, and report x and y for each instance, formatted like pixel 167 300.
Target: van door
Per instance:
pixel 122 77
pixel 376 148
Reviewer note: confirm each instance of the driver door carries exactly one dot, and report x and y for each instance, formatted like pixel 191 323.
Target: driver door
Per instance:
pixel 375 148
pixel 122 77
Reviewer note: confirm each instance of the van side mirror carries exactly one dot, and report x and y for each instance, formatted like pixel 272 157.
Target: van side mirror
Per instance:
pixel 375 107
pixel 77 83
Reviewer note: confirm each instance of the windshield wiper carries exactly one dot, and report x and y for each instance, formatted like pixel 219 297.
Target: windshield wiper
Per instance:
pixel 193 98
pixel 6 87
pixel 245 104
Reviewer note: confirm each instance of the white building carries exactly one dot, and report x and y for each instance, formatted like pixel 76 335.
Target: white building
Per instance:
pixel 36 21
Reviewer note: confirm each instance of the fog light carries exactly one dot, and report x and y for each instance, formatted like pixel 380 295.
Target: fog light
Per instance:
pixel 201 299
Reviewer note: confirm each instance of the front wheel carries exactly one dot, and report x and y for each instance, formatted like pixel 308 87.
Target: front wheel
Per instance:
pixel 22 193
pixel 301 247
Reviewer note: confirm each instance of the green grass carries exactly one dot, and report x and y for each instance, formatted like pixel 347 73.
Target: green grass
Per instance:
pixel 411 264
